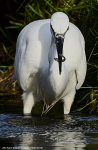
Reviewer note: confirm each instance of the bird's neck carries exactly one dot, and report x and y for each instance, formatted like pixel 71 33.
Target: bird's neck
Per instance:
pixel 58 81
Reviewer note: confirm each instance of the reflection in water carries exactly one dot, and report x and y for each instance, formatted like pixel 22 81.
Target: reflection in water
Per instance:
pixel 46 133
pixel 51 132
pixel 69 141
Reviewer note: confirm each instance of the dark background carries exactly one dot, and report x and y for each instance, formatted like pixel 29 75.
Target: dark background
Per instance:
pixel 9 7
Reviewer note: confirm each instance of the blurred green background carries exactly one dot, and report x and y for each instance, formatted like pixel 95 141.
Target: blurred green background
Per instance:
pixel 15 14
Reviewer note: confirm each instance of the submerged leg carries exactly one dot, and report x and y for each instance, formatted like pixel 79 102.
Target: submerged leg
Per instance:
pixel 68 100
pixel 28 102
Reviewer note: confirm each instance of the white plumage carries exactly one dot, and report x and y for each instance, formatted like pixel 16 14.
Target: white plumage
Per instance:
pixel 39 67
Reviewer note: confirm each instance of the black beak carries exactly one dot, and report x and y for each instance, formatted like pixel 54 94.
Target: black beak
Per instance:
pixel 59 40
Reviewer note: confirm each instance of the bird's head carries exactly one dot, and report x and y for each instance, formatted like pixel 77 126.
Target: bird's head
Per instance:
pixel 59 25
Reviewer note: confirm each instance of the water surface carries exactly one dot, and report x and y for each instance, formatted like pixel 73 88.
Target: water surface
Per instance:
pixel 54 131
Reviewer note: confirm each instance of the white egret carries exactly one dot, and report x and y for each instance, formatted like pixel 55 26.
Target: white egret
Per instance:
pixel 50 61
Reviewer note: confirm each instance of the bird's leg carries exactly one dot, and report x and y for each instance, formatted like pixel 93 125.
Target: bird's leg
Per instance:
pixel 68 100
pixel 28 102
pixel 47 106
pixel 46 109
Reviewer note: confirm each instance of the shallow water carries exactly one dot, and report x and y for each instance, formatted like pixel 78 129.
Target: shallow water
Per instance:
pixel 54 131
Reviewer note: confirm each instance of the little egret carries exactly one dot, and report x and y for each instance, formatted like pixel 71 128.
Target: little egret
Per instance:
pixel 50 61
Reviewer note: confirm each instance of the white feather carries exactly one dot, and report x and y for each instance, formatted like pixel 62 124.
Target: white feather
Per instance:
pixel 35 68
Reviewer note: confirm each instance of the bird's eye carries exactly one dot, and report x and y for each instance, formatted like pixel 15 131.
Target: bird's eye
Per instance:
pixel 51 27
pixel 68 28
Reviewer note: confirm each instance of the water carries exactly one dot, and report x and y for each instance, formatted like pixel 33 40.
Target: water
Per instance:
pixel 54 131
